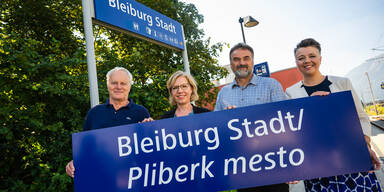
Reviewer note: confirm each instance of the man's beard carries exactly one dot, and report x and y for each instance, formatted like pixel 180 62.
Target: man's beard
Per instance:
pixel 241 73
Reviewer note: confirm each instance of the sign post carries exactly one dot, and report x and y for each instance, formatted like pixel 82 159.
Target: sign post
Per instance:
pixel 91 62
pixel 185 54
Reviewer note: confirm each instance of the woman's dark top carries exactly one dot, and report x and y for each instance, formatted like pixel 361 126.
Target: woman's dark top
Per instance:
pixel 323 86
pixel 171 113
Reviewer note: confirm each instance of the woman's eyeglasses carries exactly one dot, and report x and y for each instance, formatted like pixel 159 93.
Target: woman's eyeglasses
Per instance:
pixel 182 86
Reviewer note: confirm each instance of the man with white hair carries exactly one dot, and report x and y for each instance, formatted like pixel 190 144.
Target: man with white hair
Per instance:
pixel 118 110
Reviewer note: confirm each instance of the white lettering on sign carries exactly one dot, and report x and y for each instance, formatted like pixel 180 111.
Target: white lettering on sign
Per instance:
pixel 164 174
pixel 276 126
pixel 272 159
pixel 168 141
pixel 129 9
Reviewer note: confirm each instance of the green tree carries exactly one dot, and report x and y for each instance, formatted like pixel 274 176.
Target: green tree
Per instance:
pixel 371 110
pixel 44 91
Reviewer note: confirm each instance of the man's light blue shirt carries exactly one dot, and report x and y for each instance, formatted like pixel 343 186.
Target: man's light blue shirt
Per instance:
pixel 258 91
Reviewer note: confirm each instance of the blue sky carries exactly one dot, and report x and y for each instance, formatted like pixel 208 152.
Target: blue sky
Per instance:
pixel 346 29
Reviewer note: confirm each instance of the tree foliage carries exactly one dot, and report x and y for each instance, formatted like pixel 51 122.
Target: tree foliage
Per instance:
pixel 44 91
pixel 371 109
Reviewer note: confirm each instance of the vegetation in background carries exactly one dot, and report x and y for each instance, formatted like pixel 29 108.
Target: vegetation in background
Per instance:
pixel 370 109
pixel 44 91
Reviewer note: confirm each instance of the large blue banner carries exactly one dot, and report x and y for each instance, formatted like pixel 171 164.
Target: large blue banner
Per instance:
pixel 244 147
pixel 136 18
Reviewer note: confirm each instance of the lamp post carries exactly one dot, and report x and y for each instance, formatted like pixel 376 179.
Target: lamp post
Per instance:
pixel 248 22
pixel 373 97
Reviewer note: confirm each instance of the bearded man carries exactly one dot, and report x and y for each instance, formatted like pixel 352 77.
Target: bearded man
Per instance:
pixel 249 89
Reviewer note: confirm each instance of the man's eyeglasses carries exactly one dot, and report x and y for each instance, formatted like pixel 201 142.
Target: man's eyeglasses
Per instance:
pixel 182 86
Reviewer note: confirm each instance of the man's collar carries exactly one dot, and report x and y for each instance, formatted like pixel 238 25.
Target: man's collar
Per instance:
pixel 130 102
pixel 253 81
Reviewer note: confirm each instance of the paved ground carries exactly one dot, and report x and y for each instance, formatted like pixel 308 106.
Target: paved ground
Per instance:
pixel 378 144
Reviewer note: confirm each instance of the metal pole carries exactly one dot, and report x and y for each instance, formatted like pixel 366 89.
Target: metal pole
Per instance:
pixel 242 30
pixel 185 54
pixel 91 62
pixel 373 97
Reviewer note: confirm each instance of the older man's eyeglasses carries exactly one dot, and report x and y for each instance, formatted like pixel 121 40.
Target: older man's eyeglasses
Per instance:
pixel 182 86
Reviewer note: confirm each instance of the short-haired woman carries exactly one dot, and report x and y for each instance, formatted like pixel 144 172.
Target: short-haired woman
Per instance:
pixel 308 60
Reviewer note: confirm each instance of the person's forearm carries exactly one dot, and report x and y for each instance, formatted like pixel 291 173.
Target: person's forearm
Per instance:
pixel 368 141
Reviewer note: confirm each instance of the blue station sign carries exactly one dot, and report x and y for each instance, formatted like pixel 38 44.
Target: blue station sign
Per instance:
pixel 261 69
pixel 134 18
pixel 232 149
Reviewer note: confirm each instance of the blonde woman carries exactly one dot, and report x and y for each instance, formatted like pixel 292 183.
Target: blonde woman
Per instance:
pixel 182 91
